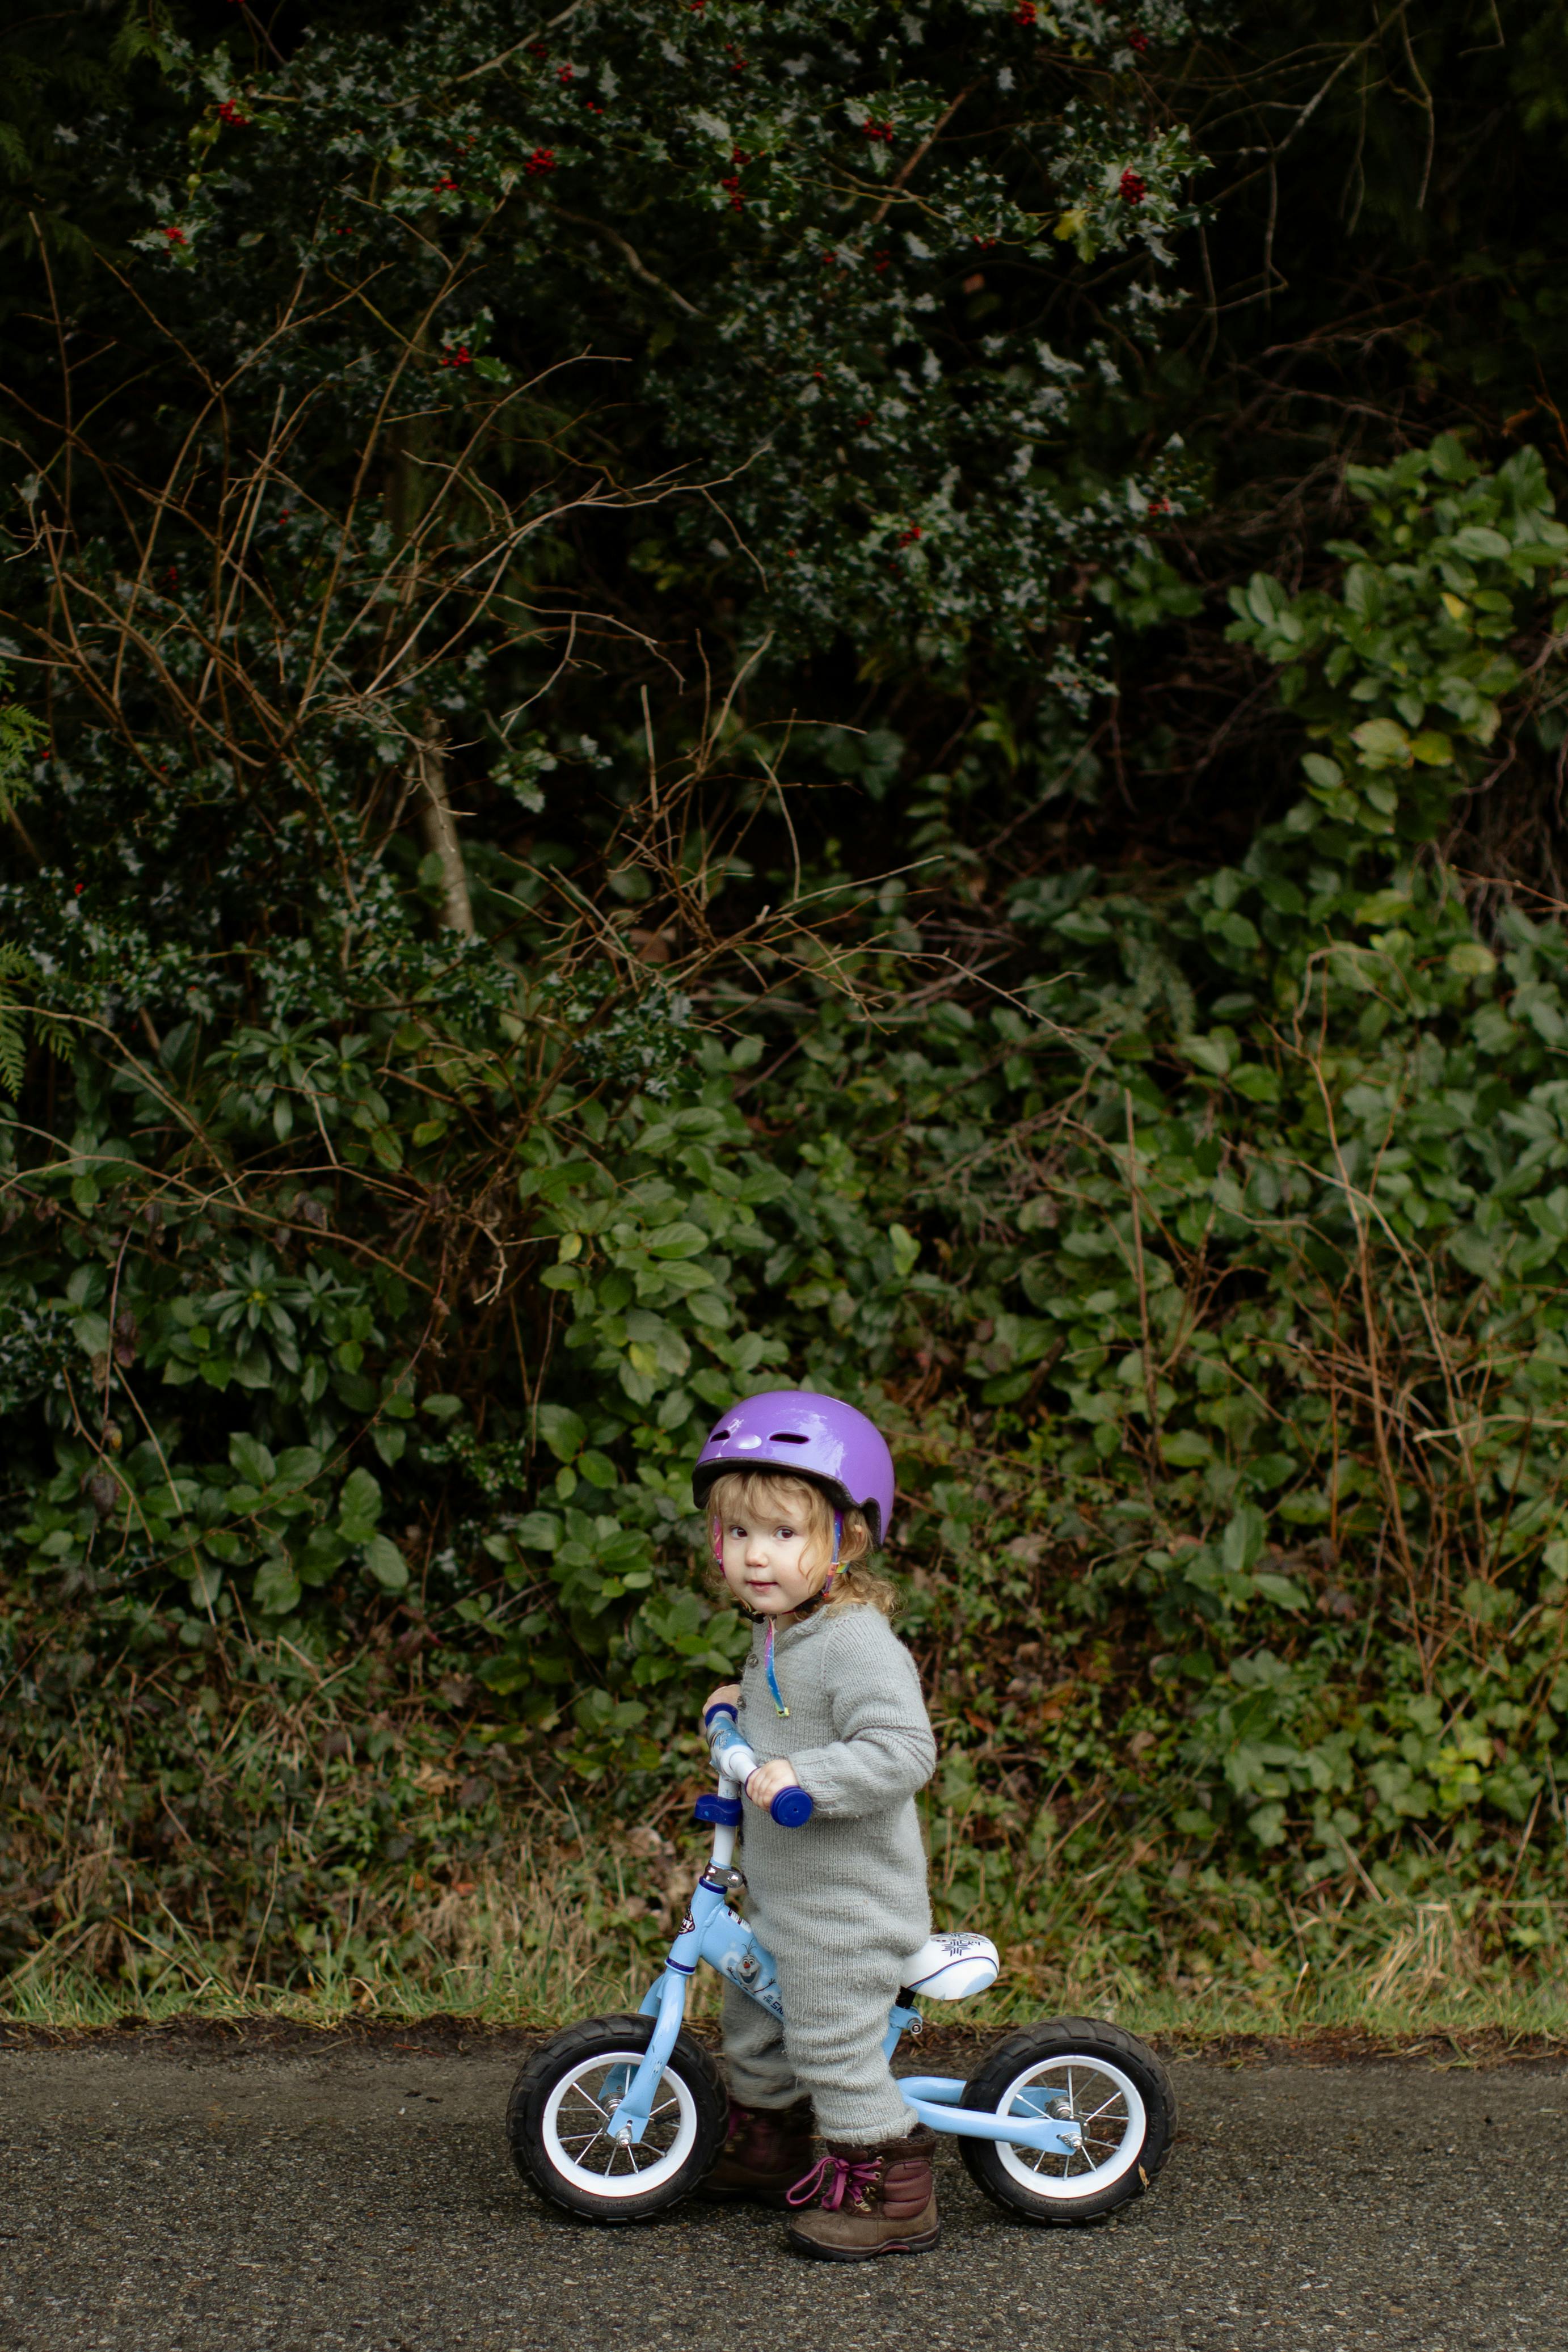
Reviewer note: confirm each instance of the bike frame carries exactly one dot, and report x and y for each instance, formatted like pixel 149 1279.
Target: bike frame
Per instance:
pixel 713 1933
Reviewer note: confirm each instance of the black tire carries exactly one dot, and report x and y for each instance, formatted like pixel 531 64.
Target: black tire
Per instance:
pixel 1135 2134
pixel 556 2086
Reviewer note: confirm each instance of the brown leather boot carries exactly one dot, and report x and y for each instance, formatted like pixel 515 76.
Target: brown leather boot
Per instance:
pixel 867 2201
pixel 766 2152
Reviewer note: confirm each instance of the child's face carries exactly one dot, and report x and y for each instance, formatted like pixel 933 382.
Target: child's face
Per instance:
pixel 767 1558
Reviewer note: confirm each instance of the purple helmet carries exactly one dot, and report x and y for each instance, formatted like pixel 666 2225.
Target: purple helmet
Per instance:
pixel 800 1435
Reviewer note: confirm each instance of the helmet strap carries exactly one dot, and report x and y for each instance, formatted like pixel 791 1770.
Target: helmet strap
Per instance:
pixel 838 1547
pixel 817 1598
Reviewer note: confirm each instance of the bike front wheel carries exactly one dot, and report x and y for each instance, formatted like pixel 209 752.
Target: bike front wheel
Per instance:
pixel 563 2104
pixel 1109 2082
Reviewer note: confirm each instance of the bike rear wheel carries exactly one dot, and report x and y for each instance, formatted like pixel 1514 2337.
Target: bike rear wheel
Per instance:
pixel 562 2106
pixel 1115 2088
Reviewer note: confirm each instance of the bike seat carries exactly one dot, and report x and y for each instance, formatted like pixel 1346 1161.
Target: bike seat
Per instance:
pixel 952 1968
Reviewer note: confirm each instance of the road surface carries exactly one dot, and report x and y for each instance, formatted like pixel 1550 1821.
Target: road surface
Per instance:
pixel 179 2200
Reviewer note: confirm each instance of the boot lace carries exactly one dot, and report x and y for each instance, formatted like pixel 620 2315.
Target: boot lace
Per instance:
pixel 837 2180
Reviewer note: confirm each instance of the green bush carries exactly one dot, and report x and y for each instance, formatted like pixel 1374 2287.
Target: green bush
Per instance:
pixel 1204 1265
pixel 568 850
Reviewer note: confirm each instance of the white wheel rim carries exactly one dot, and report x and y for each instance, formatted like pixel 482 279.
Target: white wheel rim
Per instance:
pixel 577 2140
pixel 1104 2100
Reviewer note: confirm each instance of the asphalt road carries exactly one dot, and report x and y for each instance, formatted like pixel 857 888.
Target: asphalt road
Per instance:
pixel 169 2203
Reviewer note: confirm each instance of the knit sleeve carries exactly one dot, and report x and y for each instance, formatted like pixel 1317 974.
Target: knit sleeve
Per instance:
pixel 884 1751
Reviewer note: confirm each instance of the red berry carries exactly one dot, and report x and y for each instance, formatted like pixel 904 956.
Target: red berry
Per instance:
pixel 1132 188
pixel 1138 42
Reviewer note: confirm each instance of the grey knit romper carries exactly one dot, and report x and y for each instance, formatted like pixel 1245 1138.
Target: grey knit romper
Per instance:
pixel 841 1903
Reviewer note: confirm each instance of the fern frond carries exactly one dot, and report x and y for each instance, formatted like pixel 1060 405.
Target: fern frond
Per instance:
pixel 21 733
pixel 14 1016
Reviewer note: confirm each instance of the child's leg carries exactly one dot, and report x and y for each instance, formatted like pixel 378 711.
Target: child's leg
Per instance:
pixel 759 2073
pixel 836 2019
pixel 873 2192
pixel 767 2149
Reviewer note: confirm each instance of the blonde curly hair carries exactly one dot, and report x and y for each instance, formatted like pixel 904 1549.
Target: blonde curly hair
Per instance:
pixel 856 1584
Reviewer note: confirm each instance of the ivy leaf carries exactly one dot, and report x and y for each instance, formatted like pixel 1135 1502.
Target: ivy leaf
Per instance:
pixel 564 1431
pixel 206 1584
pixel 386 1563
pixel 1243 1538
pixel 1186 1449
pixel 359 1505
pixel 539 1531
pixel 1382 743
pixel 277 1588
pixel 679 1240
pixel 252 1460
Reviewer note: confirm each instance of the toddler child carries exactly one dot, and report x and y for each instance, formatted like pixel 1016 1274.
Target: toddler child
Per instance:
pixel 798 1489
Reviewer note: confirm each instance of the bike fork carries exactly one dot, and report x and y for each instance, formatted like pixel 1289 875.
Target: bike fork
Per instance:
pixel 667 2001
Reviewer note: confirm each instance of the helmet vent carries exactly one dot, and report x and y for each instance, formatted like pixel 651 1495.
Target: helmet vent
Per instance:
pixel 787 1437
pixel 723 1429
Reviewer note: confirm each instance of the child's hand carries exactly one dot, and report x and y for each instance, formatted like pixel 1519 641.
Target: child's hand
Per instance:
pixel 767 1781
pixel 727 1694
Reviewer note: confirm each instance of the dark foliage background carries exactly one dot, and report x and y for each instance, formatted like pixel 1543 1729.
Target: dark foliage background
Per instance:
pixel 703 695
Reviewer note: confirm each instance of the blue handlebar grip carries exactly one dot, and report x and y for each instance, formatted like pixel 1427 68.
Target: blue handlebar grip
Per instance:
pixel 792 1809
pixel 721 1706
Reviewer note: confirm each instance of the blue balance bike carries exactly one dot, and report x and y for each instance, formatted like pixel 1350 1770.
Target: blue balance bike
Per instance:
pixel 619 2117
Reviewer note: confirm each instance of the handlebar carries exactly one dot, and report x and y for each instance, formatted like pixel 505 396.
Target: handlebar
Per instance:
pixel 734 1761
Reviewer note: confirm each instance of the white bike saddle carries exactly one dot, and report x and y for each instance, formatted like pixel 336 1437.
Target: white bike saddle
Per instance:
pixel 952 1968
